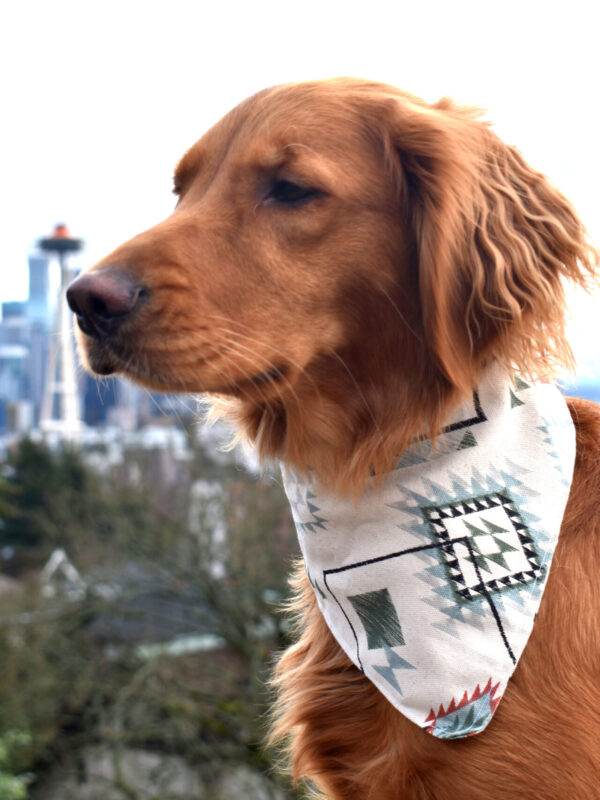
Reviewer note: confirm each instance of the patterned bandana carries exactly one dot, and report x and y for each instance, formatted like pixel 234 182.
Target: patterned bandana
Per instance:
pixel 431 583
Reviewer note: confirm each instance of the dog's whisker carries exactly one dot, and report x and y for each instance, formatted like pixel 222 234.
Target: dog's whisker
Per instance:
pixel 376 425
pixel 281 377
pixel 156 405
pixel 169 398
pixel 301 369
pixel 226 353
pixel 245 391
pixel 261 345
pixel 235 348
pixel 407 325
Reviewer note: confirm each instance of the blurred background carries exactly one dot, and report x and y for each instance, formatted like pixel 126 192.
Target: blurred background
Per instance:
pixel 141 567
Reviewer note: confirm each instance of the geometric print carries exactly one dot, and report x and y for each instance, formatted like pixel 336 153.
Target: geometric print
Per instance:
pixel 468 716
pixel 467 416
pixel 379 618
pixel 456 435
pixel 486 546
pixel 304 510
pixel 482 548
pixel 388 671
pixel 431 581
pixel 477 520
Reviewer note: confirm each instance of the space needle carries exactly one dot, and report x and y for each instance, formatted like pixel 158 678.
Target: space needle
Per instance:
pixel 61 412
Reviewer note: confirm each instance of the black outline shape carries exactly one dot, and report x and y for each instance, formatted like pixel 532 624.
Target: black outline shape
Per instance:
pixel 488 597
pixel 506 502
pixel 455 426
pixel 421 548
pixel 466 423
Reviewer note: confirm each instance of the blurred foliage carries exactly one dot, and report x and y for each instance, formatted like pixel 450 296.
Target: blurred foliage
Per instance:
pixel 5 499
pixel 208 558
pixel 12 787
pixel 55 500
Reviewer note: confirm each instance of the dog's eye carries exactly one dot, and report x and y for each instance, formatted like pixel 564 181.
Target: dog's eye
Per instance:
pixel 291 194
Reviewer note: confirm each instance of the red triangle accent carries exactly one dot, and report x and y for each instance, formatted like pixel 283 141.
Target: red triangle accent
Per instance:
pixel 451 707
pixel 464 700
pixel 476 693
pixel 488 686
pixel 431 717
pixel 441 712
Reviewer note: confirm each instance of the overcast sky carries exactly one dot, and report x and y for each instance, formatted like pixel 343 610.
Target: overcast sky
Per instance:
pixel 99 99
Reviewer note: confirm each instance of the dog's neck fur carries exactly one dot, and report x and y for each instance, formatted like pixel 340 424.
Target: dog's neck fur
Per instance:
pixel 343 443
pixel 352 411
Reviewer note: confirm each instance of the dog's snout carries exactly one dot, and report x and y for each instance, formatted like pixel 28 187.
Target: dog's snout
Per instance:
pixel 101 300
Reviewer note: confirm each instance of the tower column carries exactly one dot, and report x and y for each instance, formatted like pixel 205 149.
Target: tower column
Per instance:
pixel 61 410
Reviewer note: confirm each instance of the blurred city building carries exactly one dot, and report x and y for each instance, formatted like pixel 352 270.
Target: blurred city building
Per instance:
pixel 26 332
pixel 24 343
pixel 61 407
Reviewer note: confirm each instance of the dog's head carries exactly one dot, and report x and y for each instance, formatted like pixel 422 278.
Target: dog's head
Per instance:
pixel 342 261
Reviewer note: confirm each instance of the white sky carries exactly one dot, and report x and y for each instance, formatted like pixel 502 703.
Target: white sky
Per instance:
pixel 99 99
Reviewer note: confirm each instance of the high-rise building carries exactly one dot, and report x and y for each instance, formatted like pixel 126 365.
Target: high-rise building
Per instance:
pixel 24 341
pixel 39 305
pixel 61 407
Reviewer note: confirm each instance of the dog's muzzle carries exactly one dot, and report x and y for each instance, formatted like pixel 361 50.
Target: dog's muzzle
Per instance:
pixel 102 300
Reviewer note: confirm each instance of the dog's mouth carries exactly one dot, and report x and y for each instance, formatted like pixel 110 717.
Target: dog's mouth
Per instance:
pixel 271 375
pixel 260 385
pixel 108 358
pixel 99 358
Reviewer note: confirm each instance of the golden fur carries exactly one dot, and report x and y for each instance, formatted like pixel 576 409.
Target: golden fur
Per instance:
pixel 342 262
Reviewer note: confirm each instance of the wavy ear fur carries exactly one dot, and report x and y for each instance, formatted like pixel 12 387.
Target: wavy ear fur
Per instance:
pixel 493 240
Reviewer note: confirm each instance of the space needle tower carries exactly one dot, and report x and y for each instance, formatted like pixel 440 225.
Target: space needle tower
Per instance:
pixel 60 412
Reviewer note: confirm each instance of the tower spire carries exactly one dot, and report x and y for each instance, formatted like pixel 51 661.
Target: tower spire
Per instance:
pixel 60 410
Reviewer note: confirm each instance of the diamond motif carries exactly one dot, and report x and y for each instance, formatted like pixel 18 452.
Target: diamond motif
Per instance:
pixel 485 546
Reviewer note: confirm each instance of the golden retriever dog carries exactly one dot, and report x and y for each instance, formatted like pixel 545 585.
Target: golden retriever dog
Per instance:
pixel 343 261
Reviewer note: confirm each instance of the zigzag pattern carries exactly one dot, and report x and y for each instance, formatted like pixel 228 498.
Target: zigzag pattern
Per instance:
pixel 462 494
pixel 468 716
pixel 452 563
pixel 549 440
pixel 302 507
pixel 394 662
pixel 423 450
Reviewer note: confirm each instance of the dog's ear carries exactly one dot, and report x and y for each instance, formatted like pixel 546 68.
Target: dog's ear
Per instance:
pixel 493 240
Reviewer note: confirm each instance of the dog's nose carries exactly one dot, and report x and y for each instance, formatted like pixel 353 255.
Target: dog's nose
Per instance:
pixel 101 300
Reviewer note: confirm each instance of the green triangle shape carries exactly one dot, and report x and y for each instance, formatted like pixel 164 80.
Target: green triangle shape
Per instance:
pixel 475 546
pixel 504 547
pixel 480 561
pixel 468 440
pixel 514 400
pixel 475 531
pixel 493 528
pixel 497 558
pixel 521 384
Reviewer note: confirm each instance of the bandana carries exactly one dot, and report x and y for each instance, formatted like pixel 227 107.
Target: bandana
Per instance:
pixel 431 582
